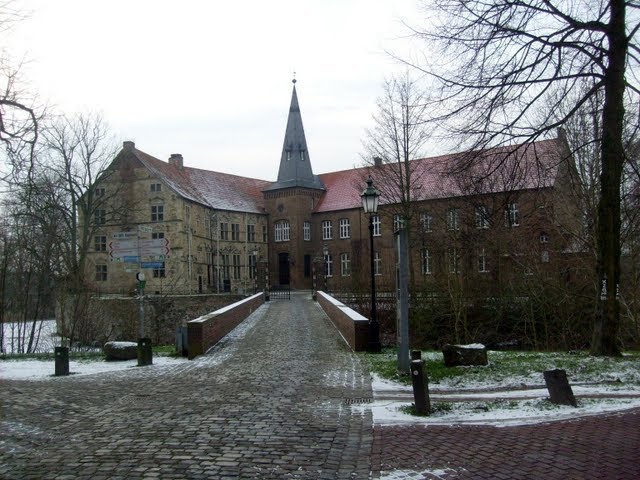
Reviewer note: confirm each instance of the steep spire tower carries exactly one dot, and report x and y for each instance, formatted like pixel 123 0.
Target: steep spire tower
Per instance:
pixel 290 201
pixel 295 163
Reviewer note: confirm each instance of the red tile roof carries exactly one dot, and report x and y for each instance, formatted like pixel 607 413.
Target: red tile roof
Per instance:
pixel 520 167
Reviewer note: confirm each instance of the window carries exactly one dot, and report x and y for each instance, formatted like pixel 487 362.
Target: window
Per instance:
pixel 425 221
pixel 235 231
pixel 100 192
pixel 225 266
pixel 454 261
pixel 483 266
pixel 426 262
pixel 544 256
pixel 157 213
pixel 101 273
pixel 236 266
pixel 100 217
pixel 265 235
pixel 511 215
pixel 100 243
pixel 156 235
pixel 224 231
pixel 306 231
pixel 544 237
pixel 302 155
pixel 345 228
pixel 282 231
pixel 482 217
pixel 377 264
pixel 328 265
pixel 156 187
pixel 252 265
pixel 345 264
pixel 159 272
pixel 251 233
pixel 453 219
pixel 376 225
pixel 327 230
pixel 397 223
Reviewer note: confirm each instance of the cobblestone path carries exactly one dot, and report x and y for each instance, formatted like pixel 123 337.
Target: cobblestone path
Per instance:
pixel 269 402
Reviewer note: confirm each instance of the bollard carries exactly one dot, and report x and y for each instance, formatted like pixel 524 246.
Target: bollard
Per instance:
pixel 560 391
pixel 416 355
pixel 145 354
pixel 62 361
pixel 420 387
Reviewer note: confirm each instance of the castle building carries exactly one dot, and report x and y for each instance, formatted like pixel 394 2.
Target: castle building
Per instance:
pixel 509 214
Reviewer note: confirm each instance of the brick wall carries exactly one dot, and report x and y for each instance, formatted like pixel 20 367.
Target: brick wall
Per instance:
pixel 204 332
pixel 353 326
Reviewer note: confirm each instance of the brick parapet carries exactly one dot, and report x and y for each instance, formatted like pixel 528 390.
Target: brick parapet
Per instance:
pixel 204 332
pixel 353 326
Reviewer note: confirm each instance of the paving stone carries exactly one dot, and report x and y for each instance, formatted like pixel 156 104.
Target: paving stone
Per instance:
pixel 256 404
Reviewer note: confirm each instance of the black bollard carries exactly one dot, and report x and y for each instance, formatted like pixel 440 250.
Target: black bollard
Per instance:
pixel 559 389
pixel 145 353
pixel 62 360
pixel 420 387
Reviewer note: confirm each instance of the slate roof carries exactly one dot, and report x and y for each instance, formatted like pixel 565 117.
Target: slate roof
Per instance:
pixel 295 163
pixel 520 167
pixel 217 190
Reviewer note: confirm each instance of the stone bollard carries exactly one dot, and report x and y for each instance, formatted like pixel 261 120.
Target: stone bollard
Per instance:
pixel 420 384
pixel 145 353
pixel 62 361
pixel 559 389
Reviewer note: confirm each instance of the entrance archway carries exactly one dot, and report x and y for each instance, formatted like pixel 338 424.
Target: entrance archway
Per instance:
pixel 283 268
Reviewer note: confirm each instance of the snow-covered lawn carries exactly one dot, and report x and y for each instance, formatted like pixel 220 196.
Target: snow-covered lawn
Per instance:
pixel 29 369
pixel 511 390
pixel 17 334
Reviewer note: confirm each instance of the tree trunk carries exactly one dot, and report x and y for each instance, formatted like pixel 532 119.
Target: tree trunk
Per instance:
pixel 607 321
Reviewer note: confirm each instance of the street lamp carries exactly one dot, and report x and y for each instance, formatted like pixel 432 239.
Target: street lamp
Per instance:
pixel 370 197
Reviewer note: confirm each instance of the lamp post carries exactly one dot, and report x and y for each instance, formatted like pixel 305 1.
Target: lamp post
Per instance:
pixel 370 197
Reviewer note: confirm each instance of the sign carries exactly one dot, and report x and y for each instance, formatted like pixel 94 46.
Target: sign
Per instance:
pixel 156 265
pixel 145 228
pixel 128 248
pixel 125 235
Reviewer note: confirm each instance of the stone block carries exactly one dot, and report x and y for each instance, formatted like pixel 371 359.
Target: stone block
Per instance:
pixel 120 351
pixel 464 355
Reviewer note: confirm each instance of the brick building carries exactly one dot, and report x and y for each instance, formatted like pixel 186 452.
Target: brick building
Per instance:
pixel 510 214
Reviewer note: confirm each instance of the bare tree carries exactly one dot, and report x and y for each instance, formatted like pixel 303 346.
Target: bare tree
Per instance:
pixel 398 136
pixel 76 155
pixel 494 64
pixel 19 119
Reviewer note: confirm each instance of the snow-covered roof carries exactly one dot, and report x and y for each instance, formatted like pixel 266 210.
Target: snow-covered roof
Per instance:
pixel 217 190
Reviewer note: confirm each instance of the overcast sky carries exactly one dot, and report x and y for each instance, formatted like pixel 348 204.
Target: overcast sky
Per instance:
pixel 212 79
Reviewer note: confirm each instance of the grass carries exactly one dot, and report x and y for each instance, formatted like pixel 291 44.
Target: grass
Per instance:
pixel 507 368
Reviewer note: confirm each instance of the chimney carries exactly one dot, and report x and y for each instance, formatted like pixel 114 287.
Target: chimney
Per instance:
pixel 377 162
pixel 176 160
pixel 128 145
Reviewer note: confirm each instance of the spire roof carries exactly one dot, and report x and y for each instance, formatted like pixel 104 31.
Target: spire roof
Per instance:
pixel 295 163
